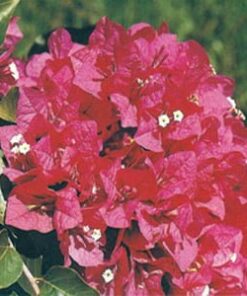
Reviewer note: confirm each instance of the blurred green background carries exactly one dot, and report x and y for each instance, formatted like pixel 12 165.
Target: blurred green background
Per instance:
pixel 219 25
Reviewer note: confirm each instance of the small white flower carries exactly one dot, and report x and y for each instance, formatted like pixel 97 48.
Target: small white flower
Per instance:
pixel 232 102
pixel 108 275
pixel 140 81
pixel 16 139
pixel 178 115
pixel 15 150
pixel 96 235
pixel 94 189
pixel 206 291
pixel 73 141
pixel 164 120
pixel 233 257
pixel 24 148
pixel 86 228
pixel 14 71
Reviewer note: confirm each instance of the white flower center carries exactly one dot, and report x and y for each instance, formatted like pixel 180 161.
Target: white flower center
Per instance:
pixel 142 82
pixel 19 145
pixel 178 115
pixel 16 139
pixel 108 275
pixel 86 228
pixel 233 257
pixel 15 149
pixel 163 120
pixel 94 189
pixel 96 235
pixel 24 148
pixel 14 71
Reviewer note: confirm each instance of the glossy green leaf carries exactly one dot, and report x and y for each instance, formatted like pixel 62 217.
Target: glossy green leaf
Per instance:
pixel 7 8
pixel 8 106
pixel 4 242
pixel 64 282
pixel 35 267
pixel 10 262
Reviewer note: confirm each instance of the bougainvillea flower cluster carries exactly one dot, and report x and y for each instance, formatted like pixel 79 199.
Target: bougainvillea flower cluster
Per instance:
pixel 132 150
pixel 8 69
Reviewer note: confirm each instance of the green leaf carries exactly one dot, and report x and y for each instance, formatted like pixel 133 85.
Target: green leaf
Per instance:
pixel 10 262
pixel 4 240
pixel 35 267
pixel 7 8
pixel 8 106
pixel 64 282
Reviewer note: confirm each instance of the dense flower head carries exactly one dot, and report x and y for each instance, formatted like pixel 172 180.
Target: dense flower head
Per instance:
pixel 132 150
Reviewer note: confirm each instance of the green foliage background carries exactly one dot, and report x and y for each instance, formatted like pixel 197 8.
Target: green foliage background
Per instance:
pixel 219 25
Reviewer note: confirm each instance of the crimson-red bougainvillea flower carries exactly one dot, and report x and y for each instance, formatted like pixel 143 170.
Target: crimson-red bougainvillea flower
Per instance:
pixel 132 150
pixel 9 73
